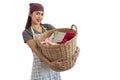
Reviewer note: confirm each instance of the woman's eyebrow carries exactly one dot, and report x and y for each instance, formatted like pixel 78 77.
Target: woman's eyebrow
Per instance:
pixel 40 12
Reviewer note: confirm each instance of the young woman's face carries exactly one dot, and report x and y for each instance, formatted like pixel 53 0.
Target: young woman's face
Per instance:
pixel 37 17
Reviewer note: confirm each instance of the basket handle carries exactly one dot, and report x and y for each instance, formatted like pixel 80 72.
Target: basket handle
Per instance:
pixel 74 27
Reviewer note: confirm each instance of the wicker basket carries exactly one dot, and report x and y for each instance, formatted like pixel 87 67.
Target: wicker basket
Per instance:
pixel 64 50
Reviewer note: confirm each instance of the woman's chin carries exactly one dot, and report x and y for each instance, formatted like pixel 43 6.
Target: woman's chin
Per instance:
pixel 38 23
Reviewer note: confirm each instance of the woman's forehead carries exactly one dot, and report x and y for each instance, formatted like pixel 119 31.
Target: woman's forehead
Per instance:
pixel 40 11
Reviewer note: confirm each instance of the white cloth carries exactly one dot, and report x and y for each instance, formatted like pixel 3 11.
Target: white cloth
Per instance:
pixel 58 36
pixel 40 70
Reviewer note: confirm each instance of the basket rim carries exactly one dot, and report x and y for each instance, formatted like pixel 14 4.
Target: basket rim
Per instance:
pixel 58 45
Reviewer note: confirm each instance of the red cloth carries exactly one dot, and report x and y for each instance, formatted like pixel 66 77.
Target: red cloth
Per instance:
pixel 36 7
pixel 67 37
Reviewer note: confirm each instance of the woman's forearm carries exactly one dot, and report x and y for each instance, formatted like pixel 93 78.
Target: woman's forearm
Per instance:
pixel 41 56
pixel 33 46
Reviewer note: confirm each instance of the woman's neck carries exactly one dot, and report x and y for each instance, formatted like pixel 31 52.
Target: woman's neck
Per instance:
pixel 37 27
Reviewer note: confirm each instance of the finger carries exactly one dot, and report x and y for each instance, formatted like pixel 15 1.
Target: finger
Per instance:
pixel 60 60
pixel 62 64
pixel 77 48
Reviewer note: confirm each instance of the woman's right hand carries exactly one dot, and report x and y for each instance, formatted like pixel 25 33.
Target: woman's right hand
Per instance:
pixel 60 63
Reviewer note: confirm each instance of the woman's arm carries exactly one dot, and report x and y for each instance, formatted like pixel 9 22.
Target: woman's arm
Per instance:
pixel 33 46
pixel 76 54
pixel 56 63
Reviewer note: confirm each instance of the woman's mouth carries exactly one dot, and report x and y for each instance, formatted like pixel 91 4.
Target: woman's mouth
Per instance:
pixel 38 20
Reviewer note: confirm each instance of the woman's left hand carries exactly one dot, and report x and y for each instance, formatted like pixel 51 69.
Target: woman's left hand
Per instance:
pixel 76 54
pixel 61 63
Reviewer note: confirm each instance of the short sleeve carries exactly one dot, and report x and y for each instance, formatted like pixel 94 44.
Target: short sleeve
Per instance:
pixel 26 35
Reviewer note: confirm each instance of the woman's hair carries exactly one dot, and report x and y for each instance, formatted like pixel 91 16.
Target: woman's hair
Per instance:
pixel 33 7
pixel 28 24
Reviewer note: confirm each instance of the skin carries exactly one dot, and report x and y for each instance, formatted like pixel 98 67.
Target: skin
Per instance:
pixel 37 17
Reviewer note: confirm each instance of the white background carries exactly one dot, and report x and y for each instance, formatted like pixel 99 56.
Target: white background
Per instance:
pixel 98 23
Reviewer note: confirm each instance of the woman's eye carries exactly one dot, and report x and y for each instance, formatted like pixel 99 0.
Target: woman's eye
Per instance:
pixel 42 14
pixel 39 13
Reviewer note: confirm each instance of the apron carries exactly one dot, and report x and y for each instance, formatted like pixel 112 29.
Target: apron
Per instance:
pixel 40 70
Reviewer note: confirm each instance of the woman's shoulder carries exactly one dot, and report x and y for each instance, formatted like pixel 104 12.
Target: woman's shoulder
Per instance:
pixel 48 26
pixel 27 34
pixel 27 31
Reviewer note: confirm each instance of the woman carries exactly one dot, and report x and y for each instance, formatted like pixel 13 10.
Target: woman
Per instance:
pixel 34 27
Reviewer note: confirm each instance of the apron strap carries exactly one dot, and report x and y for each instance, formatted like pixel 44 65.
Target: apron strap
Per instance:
pixel 45 29
pixel 33 32
pixel 35 36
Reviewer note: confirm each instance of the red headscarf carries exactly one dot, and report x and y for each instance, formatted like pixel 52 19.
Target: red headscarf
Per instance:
pixel 36 7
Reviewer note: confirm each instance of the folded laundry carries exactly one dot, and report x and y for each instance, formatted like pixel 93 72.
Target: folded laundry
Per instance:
pixel 58 38
pixel 67 37
pixel 48 41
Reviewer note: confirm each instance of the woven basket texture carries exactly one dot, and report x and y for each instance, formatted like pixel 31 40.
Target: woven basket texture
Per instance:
pixel 64 50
